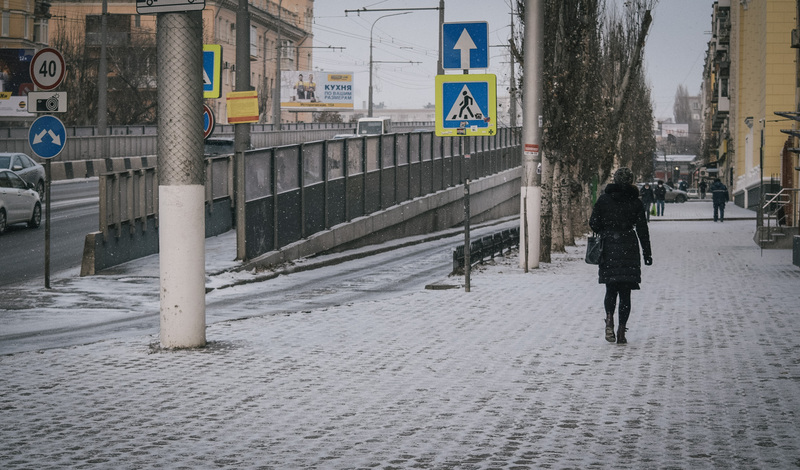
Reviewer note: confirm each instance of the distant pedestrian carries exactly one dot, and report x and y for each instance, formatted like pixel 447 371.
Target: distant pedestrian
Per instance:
pixel 683 185
pixel 648 198
pixel 702 187
pixel 719 195
pixel 660 193
pixel 618 216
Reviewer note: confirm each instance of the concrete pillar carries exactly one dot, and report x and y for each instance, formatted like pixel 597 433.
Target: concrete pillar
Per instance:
pixel 181 179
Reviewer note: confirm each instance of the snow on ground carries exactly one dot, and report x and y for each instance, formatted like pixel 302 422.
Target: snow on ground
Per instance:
pixel 514 374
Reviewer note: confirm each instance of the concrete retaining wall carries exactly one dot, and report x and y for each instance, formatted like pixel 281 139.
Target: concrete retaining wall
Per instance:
pixel 101 252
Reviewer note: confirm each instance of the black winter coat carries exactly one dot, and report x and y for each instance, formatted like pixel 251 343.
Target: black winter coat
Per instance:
pixel 719 192
pixel 618 216
pixel 647 195
pixel 660 192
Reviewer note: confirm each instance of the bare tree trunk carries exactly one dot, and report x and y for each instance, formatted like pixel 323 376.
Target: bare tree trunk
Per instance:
pixel 547 209
pixel 567 186
pixel 558 207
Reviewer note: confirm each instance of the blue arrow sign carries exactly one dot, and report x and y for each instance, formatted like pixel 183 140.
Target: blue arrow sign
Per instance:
pixel 47 136
pixel 465 45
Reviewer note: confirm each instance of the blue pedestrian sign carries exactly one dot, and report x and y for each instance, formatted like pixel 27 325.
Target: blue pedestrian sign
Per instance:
pixel 47 136
pixel 212 70
pixel 465 45
pixel 466 105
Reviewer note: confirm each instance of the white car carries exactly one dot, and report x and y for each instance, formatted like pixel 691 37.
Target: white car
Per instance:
pixel 25 168
pixel 19 202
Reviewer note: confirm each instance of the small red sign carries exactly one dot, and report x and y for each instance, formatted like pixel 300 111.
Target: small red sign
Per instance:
pixel 531 148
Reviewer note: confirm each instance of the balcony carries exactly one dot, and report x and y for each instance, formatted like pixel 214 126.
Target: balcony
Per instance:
pixel 720 112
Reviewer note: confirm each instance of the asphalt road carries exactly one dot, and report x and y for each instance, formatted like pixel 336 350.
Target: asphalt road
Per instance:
pixel 73 214
pixel 125 303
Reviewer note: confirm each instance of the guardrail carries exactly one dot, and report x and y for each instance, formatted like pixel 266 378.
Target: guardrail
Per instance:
pixel 84 144
pixel 129 197
pixel 295 191
pixel 486 247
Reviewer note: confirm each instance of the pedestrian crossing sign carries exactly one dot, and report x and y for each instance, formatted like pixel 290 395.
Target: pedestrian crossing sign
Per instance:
pixel 212 70
pixel 466 105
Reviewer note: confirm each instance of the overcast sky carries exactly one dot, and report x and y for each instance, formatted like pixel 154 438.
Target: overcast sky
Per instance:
pixel 674 53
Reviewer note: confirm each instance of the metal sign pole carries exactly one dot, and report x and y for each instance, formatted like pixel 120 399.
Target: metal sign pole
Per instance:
pixel 47 224
pixel 467 261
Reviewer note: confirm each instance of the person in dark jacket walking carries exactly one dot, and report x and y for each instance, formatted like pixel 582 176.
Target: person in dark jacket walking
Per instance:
pixel 719 195
pixel 702 187
pixel 660 193
pixel 648 198
pixel 618 216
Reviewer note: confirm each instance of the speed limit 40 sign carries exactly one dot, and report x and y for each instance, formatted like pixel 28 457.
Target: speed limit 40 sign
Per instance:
pixel 47 68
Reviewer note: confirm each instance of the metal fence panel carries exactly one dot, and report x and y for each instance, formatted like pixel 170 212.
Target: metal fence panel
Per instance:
pixel 258 174
pixel 313 163
pixel 287 160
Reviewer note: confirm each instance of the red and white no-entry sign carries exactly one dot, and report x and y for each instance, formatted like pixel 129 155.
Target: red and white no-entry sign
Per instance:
pixel 47 68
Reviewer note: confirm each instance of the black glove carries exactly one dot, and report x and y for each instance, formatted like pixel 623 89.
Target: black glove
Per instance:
pixel 648 260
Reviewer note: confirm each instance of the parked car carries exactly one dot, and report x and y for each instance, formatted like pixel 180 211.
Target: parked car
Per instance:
pixel 19 202
pixel 26 168
pixel 693 193
pixel 673 195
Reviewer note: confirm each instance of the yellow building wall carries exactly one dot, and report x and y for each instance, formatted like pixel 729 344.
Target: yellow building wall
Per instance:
pixel 766 83
pixel 217 29
pixel 20 15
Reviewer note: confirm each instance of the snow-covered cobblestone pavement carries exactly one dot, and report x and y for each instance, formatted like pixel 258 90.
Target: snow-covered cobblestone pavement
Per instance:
pixel 514 374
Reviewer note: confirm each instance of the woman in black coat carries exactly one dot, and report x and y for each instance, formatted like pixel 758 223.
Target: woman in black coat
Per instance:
pixel 619 218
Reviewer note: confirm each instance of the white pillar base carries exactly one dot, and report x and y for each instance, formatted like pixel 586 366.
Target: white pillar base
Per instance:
pixel 530 226
pixel 182 241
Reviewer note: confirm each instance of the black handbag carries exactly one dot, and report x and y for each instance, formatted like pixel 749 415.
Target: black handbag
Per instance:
pixel 594 249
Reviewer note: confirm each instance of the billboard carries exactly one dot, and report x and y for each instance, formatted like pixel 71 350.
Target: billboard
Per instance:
pixel 678 130
pixel 316 91
pixel 15 82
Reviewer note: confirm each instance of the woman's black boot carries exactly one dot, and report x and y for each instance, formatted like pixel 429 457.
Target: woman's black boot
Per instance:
pixel 610 328
pixel 621 335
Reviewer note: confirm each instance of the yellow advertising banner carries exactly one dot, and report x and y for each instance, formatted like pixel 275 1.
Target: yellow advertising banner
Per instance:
pixel 242 106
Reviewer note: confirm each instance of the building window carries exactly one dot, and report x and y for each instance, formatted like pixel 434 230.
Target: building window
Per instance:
pixel 5 24
pixel 40 30
pixel 253 41
pixel 287 54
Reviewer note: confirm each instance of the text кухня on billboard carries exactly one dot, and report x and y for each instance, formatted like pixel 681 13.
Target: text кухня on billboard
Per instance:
pixel 316 91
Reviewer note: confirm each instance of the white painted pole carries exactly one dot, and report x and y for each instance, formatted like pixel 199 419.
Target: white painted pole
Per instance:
pixel 181 176
pixel 182 265
pixel 531 188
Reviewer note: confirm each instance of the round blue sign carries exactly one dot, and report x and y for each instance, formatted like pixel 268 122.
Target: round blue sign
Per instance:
pixel 47 136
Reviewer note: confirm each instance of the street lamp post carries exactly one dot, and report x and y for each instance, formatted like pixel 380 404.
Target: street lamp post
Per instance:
pixel 369 109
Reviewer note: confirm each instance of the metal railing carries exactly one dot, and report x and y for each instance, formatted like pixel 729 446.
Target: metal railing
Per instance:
pixel 83 143
pixel 773 214
pixel 129 198
pixel 486 248
pixel 294 191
